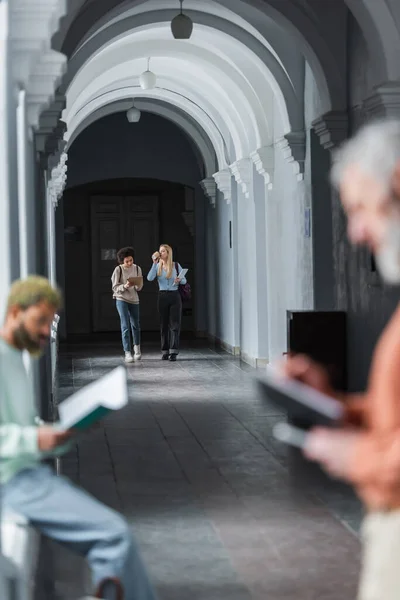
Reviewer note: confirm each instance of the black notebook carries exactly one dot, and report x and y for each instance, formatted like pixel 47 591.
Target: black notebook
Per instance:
pixel 301 402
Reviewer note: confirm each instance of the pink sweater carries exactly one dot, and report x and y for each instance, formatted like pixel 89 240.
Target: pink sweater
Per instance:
pixel 119 278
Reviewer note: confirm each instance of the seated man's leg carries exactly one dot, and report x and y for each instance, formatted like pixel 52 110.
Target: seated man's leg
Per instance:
pixel 69 515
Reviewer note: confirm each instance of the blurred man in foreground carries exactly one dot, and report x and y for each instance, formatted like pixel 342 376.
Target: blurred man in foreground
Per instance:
pixel 57 508
pixel 366 451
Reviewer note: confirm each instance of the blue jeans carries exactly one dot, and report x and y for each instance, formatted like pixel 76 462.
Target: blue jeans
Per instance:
pixel 129 315
pixel 69 515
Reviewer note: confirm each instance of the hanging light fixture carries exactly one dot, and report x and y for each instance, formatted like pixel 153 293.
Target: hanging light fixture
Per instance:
pixel 133 114
pixel 181 26
pixel 147 79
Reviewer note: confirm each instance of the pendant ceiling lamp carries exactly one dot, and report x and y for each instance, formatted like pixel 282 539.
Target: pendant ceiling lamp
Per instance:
pixel 133 114
pixel 147 79
pixel 181 26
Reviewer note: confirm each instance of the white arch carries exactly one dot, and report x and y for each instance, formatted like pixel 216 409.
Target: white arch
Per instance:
pixel 290 100
pixel 381 32
pixel 225 102
pixel 168 111
pixel 182 104
pixel 272 19
pixel 236 102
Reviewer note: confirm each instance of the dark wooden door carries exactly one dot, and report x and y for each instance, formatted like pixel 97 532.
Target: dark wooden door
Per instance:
pixel 119 221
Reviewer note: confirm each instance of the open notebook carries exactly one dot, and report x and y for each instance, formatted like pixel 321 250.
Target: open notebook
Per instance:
pixel 94 401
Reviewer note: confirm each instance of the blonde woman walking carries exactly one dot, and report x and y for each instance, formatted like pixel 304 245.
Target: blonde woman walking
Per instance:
pixel 169 299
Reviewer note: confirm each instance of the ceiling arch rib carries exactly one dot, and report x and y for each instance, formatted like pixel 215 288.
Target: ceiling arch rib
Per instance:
pixel 275 19
pixel 225 127
pixel 288 28
pixel 189 126
pixel 214 84
pixel 219 86
pixel 290 99
pixel 181 104
pixel 381 34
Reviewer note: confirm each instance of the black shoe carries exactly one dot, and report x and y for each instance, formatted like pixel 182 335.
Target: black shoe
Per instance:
pixel 164 357
pixel 172 357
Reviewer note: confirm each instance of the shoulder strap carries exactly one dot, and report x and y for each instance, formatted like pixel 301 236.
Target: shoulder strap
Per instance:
pixel 120 273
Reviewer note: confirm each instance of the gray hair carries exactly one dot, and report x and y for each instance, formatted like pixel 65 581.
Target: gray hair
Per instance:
pixel 375 149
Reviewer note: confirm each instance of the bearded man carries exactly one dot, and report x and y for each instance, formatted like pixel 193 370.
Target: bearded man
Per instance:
pixel 53 504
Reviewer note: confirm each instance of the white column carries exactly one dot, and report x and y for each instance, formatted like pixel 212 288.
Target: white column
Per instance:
pixel 23 203
pixel 9 250
pixel 8 216
pixel 252 350
pixel 51 258
pixel 264 161
pixel 228 221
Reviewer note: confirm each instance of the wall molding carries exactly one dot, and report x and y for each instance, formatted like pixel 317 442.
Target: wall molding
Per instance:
pixel 293 146
pixel 264 161
pixel 332 128
pixel 256 363
pixel 223 180
pixel 242 170
pixel 36 67
pixel 215 341
pixel 384 101
pixel 209 187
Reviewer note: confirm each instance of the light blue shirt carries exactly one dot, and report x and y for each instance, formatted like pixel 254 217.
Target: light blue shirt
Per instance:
pixel 165 284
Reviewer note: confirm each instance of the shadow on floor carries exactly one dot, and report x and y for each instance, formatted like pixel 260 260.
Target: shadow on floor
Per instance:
pixel 220 509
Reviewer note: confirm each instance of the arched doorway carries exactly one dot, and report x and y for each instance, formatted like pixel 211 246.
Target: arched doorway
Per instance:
pixel 100 218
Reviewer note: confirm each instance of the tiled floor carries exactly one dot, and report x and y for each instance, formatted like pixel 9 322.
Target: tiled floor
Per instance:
pixel 220 509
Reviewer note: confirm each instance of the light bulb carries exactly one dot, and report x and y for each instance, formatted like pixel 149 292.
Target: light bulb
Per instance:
pixel 147 80
pixel 133 114
pixel 181 27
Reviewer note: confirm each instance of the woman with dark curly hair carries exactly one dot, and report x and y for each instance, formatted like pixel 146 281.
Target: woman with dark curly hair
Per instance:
pixel 127 281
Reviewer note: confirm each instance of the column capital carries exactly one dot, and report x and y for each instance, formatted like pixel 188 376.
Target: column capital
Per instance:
pixel 58 177
pixel 42 84
pixel 384 101
pixel 242 172
pixel 264 160
pixel 293 146
pixel 223 180
pixel 35 66
pixel 50 132
pixel 210 189
pixel 332 128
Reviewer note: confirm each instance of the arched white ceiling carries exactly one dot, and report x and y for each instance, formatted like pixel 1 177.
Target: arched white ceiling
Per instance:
pixel 202 144
pixel 217 79
pixel 287 31
pixel 238 64
pixel 287 90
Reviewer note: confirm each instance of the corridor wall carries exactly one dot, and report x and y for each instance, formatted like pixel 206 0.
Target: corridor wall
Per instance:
pixel 269 268
pixel 369 302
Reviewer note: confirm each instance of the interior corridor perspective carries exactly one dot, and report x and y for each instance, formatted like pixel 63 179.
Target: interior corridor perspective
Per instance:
pixel 208 125
pixel 219 508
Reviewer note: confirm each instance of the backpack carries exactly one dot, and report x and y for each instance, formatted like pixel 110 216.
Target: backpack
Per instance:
pixel 184 289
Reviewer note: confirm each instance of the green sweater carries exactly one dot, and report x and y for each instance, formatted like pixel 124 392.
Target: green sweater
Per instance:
pixel 18 416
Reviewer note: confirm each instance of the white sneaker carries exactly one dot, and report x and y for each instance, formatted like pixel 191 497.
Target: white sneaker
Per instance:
pixel 128 357
pixel 138 354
